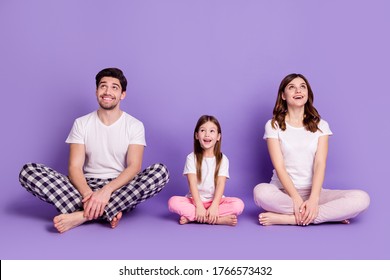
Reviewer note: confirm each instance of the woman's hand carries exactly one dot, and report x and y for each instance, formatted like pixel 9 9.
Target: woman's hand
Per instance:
pixel 298 209
pixel 310 212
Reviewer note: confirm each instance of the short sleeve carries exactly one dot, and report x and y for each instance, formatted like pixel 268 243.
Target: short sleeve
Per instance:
pixel 76 134
pixel 324 127
pixel 138 134
pixel 189 167
pixel 270 132
pixel 224 168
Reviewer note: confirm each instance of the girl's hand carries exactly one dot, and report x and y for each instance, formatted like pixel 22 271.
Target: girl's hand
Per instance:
pixel 311 211
pixel 200 214
pixel 298 210
pixel 212 214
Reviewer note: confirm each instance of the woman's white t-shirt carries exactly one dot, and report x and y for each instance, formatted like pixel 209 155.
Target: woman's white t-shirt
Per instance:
pixel 299 147
pixel 206 187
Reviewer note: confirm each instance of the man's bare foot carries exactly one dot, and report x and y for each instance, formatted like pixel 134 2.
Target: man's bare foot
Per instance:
pixel 64 222
pixel 270 218
pixel 115 221
pixel 230 220
pixel 345 222
pixel 183 220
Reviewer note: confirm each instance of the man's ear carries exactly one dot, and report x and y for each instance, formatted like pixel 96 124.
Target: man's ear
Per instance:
pixel 123 95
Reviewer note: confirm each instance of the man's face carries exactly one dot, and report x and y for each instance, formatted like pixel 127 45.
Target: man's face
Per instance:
pixel 109 93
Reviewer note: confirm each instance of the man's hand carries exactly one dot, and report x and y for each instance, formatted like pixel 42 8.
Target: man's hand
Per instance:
pixel 96 202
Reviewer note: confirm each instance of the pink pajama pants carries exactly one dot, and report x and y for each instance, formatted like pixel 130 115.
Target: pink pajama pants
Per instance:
pixel 184 206
pixel 334 205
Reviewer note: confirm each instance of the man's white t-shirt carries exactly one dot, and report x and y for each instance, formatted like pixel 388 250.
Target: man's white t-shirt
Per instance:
pixel 299 147
pixel 206 187
pixel 106 146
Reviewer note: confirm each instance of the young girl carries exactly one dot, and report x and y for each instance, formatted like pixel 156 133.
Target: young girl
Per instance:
pixel 207 170
pixel 297 140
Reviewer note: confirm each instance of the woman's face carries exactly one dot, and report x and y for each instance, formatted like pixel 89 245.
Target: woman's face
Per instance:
pixel 296 93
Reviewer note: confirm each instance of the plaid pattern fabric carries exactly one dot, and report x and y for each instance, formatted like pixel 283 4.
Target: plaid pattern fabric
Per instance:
pixel 56 188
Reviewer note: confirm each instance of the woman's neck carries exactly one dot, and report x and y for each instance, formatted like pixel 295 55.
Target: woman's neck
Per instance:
pixel 295 116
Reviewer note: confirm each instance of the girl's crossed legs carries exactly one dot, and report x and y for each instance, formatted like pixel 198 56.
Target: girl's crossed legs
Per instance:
pixel 229 209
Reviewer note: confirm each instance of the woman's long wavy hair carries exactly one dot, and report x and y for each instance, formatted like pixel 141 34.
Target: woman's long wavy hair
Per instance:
pixel 311 117
pixel 198 150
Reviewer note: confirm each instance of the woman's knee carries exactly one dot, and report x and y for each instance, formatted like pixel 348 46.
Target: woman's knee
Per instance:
pixel 362 199
pixel 261 193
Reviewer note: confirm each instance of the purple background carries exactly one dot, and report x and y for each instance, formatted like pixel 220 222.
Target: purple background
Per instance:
pixel 184 59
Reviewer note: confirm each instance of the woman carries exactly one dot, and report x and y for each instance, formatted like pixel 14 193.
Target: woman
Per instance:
pixel 297 140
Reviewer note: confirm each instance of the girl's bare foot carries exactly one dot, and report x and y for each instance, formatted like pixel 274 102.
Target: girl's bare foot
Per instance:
pixel 64 222
pixel 183 220
pixel 270 218
pixel 230 220
pixel 115 221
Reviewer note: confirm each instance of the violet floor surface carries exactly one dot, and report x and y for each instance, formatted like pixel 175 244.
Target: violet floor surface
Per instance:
pixel 151 232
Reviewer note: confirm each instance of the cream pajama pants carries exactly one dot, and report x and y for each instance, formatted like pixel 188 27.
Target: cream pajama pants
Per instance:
pixel 334 205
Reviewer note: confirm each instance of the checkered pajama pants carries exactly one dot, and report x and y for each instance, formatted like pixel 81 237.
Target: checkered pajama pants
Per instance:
pixel 56 188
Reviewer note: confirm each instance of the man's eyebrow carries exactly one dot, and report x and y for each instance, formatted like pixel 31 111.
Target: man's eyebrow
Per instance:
pixel 105 82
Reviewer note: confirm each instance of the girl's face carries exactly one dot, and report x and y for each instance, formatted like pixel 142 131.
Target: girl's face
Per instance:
pixel 296 93
pixel 208 135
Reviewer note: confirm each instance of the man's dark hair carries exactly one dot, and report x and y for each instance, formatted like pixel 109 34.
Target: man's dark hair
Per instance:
pixel 114 73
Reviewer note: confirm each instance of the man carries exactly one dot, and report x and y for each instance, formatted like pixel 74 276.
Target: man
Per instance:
pixel 106 150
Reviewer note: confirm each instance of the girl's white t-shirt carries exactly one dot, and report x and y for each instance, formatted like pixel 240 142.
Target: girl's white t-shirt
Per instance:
pixel 206 187
pixel 106 146
pixel 299 148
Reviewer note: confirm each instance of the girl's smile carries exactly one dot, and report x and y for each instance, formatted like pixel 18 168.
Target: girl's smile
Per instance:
pixel 208 136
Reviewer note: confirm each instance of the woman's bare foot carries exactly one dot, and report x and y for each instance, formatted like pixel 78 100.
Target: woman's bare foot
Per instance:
pixel 183 220
pixel 270 218
pixel 64 222
pixel 115 221
pixel 230 220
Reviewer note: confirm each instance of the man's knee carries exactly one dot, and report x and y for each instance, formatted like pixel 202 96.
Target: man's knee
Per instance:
pixel 24 173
